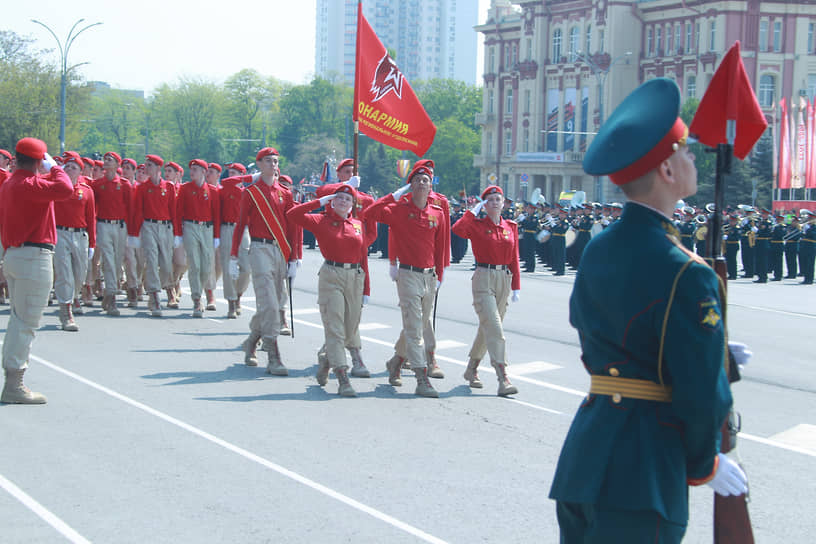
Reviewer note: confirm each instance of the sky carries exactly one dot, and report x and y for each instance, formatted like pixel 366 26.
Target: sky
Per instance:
pixel 143 44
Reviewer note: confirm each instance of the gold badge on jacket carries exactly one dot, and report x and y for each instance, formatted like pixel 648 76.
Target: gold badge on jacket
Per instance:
pixel 79 194
pixel 709 314
pixel 432 222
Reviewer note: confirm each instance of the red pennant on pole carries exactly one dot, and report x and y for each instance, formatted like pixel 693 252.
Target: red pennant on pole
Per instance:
pixel 784 179
pixel 810 181
pixel 384 103
pixel 729 97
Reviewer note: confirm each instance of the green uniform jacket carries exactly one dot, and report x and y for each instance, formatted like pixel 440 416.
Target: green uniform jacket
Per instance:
pixel 638 454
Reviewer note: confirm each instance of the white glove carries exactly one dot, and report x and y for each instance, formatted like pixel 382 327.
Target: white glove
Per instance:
pixel 754 229
pixel 299 262
pixel 365 300
pixel 354 181
pixel 393 272
pixel 256 176
pixel 742 355
pixel 326 199
pixel 233 268
pixel 216 242
pixel 438 284
pixel 477 208
pixel 48 162
pixel 605 222
pixel 292 270
pixel 90 253
pixel 516 295
pixel 177 241
pixel 134 242
pixel 401 191
pixel 744 222
pixel 521 217
pixel 729 478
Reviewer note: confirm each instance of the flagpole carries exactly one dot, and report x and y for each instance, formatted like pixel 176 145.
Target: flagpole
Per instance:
pixel 356 144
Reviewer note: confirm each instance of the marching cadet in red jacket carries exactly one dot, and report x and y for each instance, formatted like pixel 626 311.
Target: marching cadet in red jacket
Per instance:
pixel 151 227
pixel 419 243
pixel 134 257
pixel 76 240
pixel 230 197
pixel 213 174
pixel 496 248
pixel 344 243
pixel 275 244
pixel 112 196
pixel 197 223
pixel 28 236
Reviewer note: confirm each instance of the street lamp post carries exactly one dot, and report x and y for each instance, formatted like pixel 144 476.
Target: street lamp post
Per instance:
pixel 64 69
pixel 600 75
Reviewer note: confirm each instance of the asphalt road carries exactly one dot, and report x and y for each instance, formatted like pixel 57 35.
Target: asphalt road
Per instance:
pixel 155 431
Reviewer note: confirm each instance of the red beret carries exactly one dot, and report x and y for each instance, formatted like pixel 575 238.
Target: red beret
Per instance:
pixel 286 179
pixel 175 166
pixel 345 162
pixel 266 151
pixel 155 159
pixel 88 161
pixel 198 162
pixel 130 162
pixel 427 163
pixel 73 156
pixel 237 166
pixel 140 167
pixel 31 147
pixel 215 166
pixel 58 160
pixel 346 188
pixel 100 164
pixel 419 169
pixel 115 155
pixel 492 189
pixel 5 153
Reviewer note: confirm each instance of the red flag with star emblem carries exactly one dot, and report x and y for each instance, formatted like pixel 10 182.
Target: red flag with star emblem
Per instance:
pixel 385 105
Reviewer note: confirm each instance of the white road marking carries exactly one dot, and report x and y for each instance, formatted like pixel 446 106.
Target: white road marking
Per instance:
pixel 215 320
pixel 373 326
pixel 448 344
pixel 60 526
pixel 801 436
pixel 305 311
pixel 771 310
pixel 535 406
pixel 776 444
pixel 320 488
pixel 532 367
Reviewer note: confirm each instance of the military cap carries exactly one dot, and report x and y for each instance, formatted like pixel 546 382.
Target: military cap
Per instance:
pixel 5 153
pixel 155 159
pixel 141 167
pixel 643 131
pixel 114 155
pixel 88 161
pixel 341 188
pixel 427 163
pixel 215 166
pixel 31 147
pixel 201 163
pixel 265 152
pixel 805 213
pixel 130 162
pixel 73 156
pixel 688 210
pixel 492 189
pixel 98 164
pixel 174 165
pixel 418 170
pixel 345 162
pixel 616 206
pixel 285 179
pixel 58 160
pixel 710 207
pixel 764 210
pixel 508 199
pixel 237 166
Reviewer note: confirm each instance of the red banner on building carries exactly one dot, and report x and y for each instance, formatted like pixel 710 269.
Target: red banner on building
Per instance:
pixel 810 180
pixel 784 174
pixel 384 103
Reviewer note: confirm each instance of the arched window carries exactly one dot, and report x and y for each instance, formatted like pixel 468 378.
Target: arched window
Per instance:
pixel 556 46
pixel 767 90
pixel 574 43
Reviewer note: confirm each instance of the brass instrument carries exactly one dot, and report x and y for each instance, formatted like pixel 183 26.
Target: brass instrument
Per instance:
pixel 702 228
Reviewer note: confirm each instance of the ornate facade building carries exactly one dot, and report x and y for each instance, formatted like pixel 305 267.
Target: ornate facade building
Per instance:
pixel 554 69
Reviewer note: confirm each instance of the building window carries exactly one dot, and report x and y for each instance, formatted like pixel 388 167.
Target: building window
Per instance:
pixel 492 62
pixel 515 54
pixel 600 41
pixel 588 48
pixel 529 49
pixel 777 36
pixel 490 101
pixel 691 86
pixel 669 43
pixel 767 91
pixel 508 108
pixel 649 51
pixel 574 44
pixel 688 38
pixel 508 142
pixel 678 39
pixel 556 46
pixel 763 36
pixel 526 140
pixel 811 28
pixel 659 42
pixel 697 29
pixel 507 56
pixel 712 37
pixel 527 101
pixel 812 86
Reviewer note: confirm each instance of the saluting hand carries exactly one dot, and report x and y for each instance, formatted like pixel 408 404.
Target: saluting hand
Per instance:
pixel 477 208
pixel 354 181
pixel 401 191
pixel 326 199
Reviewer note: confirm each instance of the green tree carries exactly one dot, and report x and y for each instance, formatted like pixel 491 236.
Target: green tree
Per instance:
pixel 444 98
pixel 452 151
pixel 252 102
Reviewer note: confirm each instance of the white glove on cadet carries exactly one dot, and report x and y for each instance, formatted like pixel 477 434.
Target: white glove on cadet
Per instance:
pixel 516 295
pixel 438 284
pixel 477 208
pixel 354 181
pixel 256 176
pixel 233 268
pixel 729 478
pixel 90 253
pixel 48 162
pixel 292 270
pixel 134 242
pixel 393 272
pixel 401 191
pixel 365 300
pixel 216 242
pixel 742 355
pixel 326 199
pixel 177 241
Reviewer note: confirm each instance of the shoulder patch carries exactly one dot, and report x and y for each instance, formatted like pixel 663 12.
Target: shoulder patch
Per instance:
pixel 709 311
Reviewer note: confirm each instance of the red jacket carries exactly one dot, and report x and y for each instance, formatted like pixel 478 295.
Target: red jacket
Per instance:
pixel 78 211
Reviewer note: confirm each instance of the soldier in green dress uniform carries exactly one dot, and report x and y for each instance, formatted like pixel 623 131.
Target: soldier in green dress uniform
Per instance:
pixel 649 317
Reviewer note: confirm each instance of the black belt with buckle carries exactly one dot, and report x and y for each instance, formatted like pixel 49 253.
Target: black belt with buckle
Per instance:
pixel 159 221
pixel 49 247
pixel 71 229
pixel 205 223
pixel 493 266
pixel 416 269
pixel 228 223
pixel 353 266
pixel 264 240
pixel 119 222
